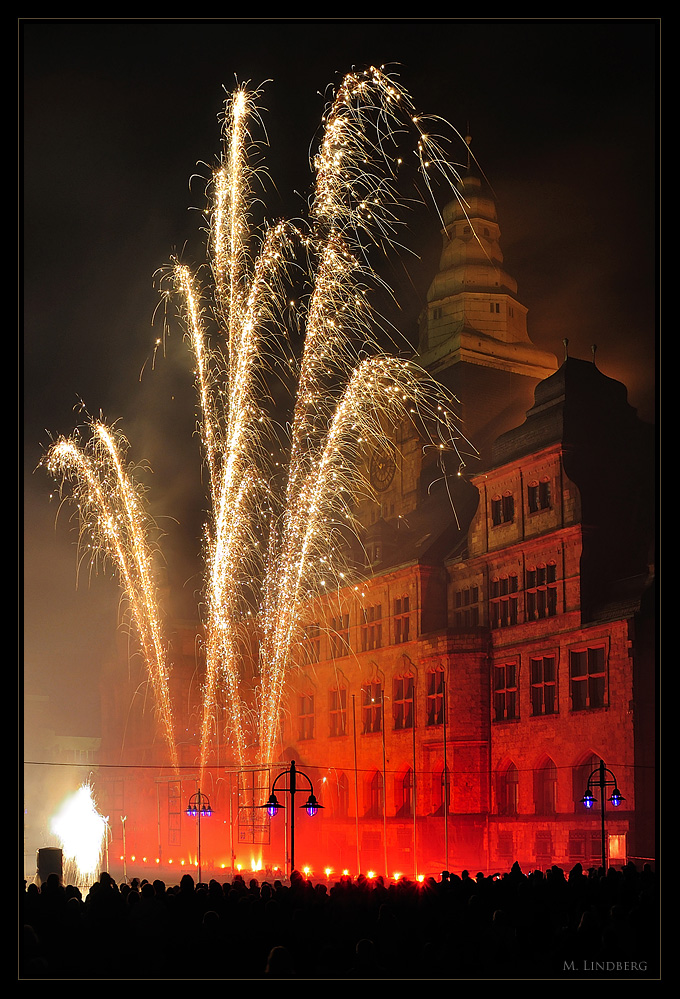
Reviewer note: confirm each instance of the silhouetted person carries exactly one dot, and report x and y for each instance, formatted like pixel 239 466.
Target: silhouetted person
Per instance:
pixel 279 963
pixel 365 961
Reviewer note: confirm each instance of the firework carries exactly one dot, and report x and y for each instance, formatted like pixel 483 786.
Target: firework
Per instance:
pixel 266 544
pixel 81 831
pixel 344 397
pixel 115 525
pixel 248 293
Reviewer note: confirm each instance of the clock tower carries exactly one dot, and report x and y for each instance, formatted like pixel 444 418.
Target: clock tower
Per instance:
pixel 473 339
pixel 473 330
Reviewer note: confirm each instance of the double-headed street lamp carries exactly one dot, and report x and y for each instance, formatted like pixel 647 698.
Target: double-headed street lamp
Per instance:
pixel 598 778
pixel 311 805
pixel 199 806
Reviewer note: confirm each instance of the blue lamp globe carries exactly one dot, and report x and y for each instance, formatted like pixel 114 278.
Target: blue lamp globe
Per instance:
pixel 312 805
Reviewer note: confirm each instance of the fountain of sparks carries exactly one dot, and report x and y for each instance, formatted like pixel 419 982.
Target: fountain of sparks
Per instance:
pixel 115 525
pixel 81 830
pixel 265 544
pixel 347 391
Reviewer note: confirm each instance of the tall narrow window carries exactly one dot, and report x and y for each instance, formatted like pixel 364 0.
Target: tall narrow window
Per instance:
pixel 467 608
pixel 441 790
pixel 312 643
pixel 587 678
pixel 403 794
pixel 543 685
pixel 545 788
pixel 306 716
pixel 435 697
pixel 371 706
pixel 505 692
pixel 541 591
pixel 338 711
pixel 376 797
pixel 502 509
pixel 504 601
pixel 342 796
pixel 538 495
pixel 508 790
pixel 371 628
pixel 402 619
pixel 403 701
pixel 339 636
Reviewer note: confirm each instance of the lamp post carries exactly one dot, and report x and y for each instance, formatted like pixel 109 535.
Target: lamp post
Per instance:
pixel 123 819
pixel 311 805
pixel 199 806
pixel 598 778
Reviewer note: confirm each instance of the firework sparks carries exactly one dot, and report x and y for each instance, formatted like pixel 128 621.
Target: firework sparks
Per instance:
pixel 115 524
pixel 355 198
pixel 248 296
pixel 81 831
pixel 264 545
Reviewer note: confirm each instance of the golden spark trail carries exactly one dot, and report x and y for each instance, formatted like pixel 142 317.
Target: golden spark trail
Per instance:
pixel 248 297
pixel 355 197
pixel 265 543
pixel 111 510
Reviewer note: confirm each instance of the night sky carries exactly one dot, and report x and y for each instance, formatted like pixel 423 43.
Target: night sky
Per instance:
pixel 116 116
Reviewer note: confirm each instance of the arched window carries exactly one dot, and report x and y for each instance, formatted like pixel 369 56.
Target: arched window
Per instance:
pixel 403 793
pixel 341 795
pixel 545 787
pixel 580 774
pixel 375 796
pixel 441 790
pixel 508 790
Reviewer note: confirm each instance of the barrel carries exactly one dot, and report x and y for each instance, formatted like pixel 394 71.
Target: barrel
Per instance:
pixel 50 861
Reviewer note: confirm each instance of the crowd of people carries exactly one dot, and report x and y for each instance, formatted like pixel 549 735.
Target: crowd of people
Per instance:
pixel 552 924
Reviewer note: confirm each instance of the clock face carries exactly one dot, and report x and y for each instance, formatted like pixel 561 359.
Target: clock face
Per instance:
pixel 382 470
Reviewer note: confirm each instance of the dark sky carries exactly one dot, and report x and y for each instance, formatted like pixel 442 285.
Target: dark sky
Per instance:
pixel 116 115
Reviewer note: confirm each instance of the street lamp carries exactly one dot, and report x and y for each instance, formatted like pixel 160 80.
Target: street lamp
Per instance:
pixel 311 806
pixel 123 819
pixel 199 806
pixel 598 778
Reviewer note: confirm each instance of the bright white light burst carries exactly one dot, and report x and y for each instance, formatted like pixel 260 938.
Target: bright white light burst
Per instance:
pixel 81 830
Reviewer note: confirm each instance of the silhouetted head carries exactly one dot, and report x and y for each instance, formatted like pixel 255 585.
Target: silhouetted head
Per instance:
pixel 279 963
